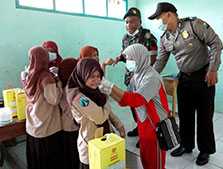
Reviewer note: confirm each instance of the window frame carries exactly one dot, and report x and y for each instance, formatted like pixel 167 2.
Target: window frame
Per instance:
pixel 18 6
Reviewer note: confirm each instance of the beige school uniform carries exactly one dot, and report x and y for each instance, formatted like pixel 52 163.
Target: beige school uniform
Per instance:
pixel 43 116
pixel 89 115
pixel 67 119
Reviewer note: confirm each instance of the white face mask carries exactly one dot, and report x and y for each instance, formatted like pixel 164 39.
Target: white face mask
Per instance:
pixel 162 26
pixel 131 65
pixel 52 56
pixel 134 33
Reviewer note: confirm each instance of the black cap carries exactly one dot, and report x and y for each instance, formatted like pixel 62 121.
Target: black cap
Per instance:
pixel 133 12
pixel 163 7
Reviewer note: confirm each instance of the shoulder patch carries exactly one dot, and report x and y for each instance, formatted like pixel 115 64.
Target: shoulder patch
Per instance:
pixel 203 23
pixel 84 101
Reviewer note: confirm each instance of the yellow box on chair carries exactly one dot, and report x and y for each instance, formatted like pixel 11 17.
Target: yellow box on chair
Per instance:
pixel 107 152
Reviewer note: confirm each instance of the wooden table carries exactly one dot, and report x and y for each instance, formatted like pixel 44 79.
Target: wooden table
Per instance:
pixel 10 131
pixel 170 84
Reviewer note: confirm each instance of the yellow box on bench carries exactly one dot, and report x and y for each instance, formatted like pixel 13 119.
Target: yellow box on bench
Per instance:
pixel 107 152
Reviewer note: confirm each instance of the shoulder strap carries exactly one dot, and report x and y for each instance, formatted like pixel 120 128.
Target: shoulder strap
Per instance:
pixel 192 27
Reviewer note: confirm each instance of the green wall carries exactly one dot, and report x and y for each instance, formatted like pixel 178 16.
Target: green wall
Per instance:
pixel 21 29
pixel 208 10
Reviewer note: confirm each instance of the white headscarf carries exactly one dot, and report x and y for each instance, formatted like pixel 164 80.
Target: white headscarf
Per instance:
pixel 145 80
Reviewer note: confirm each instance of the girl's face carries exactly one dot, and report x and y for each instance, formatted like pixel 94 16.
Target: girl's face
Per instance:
pixel 94 80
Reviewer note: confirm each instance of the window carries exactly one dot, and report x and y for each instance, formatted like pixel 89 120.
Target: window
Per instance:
pixel 95 7
pixel 46 4
pixel 116 8
pixel 75 6
pixel 101 8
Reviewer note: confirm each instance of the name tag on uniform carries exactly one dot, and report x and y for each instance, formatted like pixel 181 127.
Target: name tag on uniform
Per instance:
pixel 169 46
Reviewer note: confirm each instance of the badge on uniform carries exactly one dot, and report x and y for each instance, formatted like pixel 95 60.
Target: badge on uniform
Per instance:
pixel 84 102
pixel 185 34
pixel 134 11
pixel 147 35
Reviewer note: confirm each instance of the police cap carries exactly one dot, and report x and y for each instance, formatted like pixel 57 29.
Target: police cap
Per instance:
pixel 133 12
pixel 163 7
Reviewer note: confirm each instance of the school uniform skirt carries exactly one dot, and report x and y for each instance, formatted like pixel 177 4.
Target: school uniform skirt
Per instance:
pixel 44 153
pixel 70 152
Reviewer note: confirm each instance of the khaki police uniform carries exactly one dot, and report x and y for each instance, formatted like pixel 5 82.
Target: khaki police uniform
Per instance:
pixel 197 49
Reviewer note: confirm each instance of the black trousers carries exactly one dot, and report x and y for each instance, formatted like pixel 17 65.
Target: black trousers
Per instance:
pixel 194 95
pixel 70 154
pixel 44 153
pixel 83 166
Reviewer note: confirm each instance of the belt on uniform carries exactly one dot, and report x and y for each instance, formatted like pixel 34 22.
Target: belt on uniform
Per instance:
pixel 198 72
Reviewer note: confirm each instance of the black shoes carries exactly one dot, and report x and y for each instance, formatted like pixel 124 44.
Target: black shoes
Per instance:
pixel 133 133
pixel 180 151
pixel 202 158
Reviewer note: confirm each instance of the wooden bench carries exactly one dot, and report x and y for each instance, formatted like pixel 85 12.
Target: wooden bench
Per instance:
pixel 8 132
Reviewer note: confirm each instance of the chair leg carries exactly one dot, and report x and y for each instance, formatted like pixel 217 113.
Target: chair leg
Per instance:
pixel 2 154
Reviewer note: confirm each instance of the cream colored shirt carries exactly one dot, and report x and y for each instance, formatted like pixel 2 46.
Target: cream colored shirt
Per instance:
pixel 67 119
pixel 44 118
pixel 89 115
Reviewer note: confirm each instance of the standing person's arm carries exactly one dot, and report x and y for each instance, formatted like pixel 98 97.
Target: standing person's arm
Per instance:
pixel 211 39
pixel 116 122
pixel 161 61
pixel 151 45
pixel 53 93
pixel 121 57
pixel 108 61
pixel 124 98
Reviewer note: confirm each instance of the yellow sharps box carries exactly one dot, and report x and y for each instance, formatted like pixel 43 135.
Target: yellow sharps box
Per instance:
pixel 9 100
pixel 20 104
pixel 107 152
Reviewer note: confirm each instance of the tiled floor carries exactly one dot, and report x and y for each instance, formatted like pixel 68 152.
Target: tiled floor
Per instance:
pixel 133 159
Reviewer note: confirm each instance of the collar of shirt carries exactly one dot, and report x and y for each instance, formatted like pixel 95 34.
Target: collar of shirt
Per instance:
pixel 135 35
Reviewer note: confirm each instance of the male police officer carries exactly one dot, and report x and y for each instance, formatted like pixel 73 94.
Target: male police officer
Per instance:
pixel 197 49
pixel 136 34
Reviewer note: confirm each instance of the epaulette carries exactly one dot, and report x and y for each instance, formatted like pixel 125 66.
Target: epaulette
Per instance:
pixel 188 19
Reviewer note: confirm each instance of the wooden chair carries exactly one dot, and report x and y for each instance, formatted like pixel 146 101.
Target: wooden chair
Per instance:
pixel 170 84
